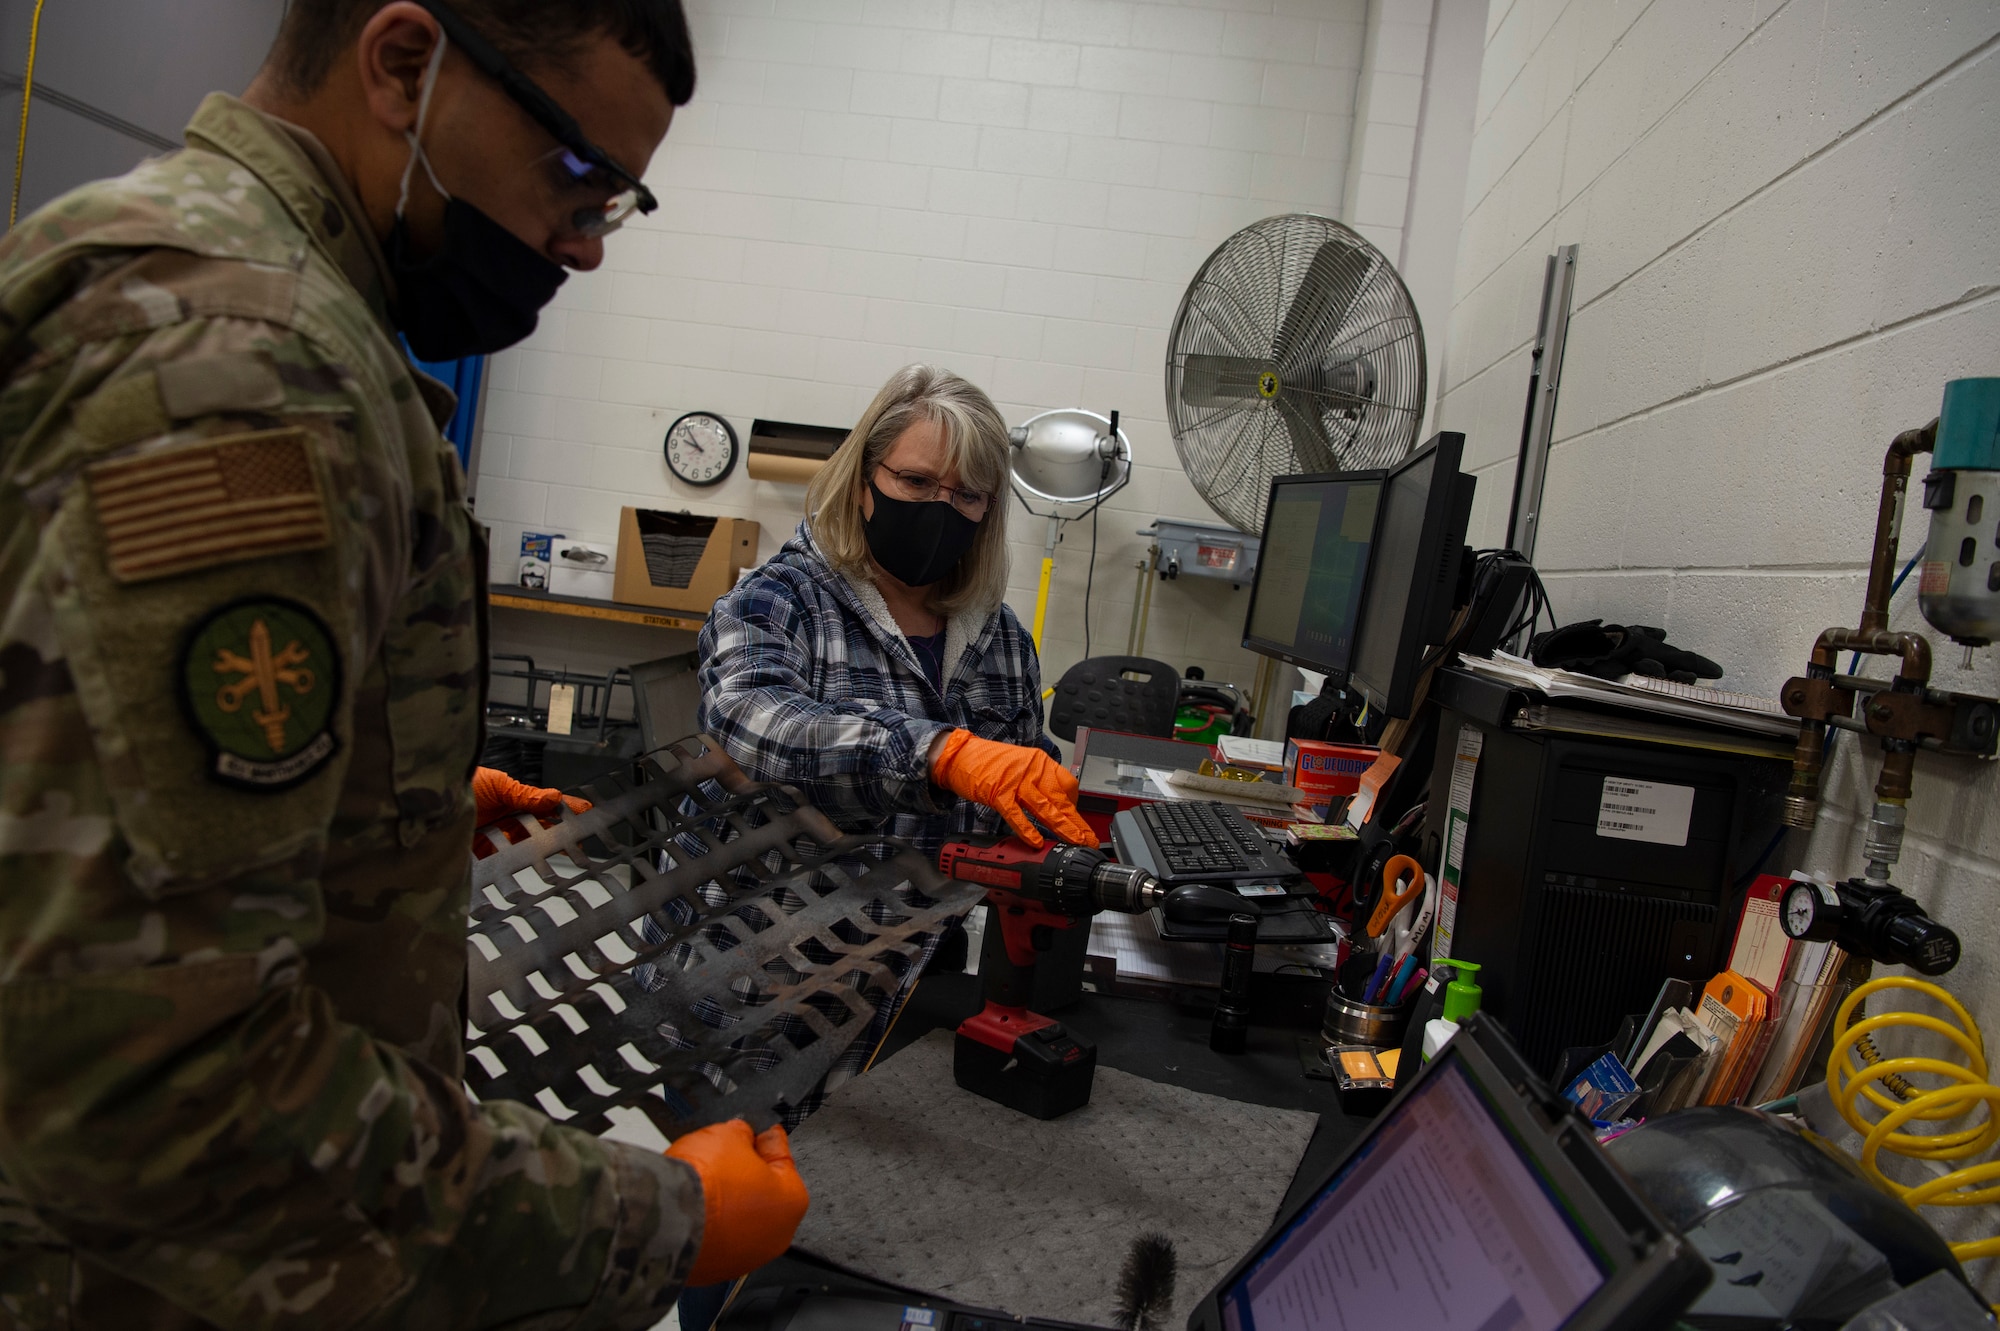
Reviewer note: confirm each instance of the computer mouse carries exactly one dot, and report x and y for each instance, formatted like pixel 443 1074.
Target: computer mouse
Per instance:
pixel 1199 903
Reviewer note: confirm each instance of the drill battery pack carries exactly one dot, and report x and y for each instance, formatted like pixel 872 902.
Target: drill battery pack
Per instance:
pixel 1044 1073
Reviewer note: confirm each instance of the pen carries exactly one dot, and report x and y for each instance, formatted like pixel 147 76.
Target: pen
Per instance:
pixel 1417 979
pixel 1392 992
pixel 1375 981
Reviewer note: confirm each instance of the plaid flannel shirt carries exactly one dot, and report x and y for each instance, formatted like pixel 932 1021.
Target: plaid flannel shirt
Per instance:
pixel 806 679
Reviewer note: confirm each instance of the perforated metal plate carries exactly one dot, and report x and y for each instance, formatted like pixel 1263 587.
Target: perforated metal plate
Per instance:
pixel 698 946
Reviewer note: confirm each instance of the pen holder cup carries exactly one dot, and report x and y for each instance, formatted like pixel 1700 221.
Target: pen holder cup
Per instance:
pixel 1350 1021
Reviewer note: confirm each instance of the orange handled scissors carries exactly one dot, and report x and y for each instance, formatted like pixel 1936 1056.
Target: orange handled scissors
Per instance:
pixel 1395 897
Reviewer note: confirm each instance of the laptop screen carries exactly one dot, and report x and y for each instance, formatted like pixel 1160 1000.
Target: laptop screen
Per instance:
pixel 1441 1220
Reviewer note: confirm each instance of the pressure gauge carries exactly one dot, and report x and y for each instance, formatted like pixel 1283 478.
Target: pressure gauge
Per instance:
pixel 701 448
pixel 1811 910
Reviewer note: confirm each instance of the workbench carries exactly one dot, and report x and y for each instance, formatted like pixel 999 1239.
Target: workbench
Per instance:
pixel 504 596
pixel 1166 1042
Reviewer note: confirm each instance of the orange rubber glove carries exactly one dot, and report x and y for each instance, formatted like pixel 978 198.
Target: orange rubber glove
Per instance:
pixel 495 795
pixel 752 1198
pixel 1010 778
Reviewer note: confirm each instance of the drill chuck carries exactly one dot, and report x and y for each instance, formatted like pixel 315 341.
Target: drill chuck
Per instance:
pixel 1125 888
pixel 1082 882
pixel 1076 881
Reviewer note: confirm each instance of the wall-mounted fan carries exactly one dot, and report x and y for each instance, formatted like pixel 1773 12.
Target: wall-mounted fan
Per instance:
pixel 1296 349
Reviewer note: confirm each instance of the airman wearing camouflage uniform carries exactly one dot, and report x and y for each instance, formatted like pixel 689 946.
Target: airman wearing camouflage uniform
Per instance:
pixel 241 678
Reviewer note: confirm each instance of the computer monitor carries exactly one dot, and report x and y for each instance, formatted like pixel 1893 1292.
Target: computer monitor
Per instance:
pixel 1476 1200
pixel 1413 575
pixel 1312 569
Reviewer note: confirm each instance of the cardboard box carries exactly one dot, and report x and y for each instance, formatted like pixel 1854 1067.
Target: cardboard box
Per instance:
pixel 680 561
pixel 1329 772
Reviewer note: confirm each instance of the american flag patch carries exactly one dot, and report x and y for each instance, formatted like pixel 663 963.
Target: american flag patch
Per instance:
pixel 215 501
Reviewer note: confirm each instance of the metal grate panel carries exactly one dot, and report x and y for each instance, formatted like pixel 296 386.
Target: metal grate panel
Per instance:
pixel 698 945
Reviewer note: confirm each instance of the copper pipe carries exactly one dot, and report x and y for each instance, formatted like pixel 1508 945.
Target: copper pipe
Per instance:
pixel 1872 638
pixel 1898 766
pixel 1809 755
pixel 1808 758
pixel 1914 648
pixel 1889 523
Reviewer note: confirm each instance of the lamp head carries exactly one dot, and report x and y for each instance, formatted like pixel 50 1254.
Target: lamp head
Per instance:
pixel 1070 456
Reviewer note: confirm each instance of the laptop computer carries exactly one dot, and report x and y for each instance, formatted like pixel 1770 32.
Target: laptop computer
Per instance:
pixel 1477 1201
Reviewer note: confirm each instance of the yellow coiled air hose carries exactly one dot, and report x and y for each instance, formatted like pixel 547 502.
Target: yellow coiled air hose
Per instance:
pixel 1884 1082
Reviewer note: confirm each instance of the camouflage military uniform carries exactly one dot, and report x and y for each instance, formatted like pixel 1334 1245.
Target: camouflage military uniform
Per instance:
pixel 241 663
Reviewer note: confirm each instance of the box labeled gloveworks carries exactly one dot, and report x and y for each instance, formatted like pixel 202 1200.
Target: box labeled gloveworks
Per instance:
pixel 680 561
pixel 1326 772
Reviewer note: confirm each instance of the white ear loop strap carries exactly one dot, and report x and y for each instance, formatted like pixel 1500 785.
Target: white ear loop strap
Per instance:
pixel 423 111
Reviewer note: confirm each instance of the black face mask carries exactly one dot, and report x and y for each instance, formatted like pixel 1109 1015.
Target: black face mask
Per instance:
pixel 917 543
pixel 482 291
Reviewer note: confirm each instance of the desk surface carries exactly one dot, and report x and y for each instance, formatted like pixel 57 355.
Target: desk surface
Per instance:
pixel 1161 1041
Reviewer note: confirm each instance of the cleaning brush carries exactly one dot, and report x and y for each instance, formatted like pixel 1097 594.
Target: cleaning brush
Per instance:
pixel 1146 1284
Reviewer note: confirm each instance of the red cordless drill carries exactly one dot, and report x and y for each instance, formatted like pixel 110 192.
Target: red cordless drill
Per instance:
pixel 1008 1054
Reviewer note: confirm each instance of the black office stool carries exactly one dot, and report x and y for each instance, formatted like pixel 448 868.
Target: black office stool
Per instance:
pixel 1096 693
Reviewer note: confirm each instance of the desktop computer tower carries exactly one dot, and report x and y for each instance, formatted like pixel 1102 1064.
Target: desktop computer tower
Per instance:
pixel 1575 926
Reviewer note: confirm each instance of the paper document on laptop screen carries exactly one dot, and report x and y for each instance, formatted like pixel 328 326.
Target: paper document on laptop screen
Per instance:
pixel 1439 1224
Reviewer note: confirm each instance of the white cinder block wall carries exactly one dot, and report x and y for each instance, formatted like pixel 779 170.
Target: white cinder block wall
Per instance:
pixel 1016 189
pixel 1789 220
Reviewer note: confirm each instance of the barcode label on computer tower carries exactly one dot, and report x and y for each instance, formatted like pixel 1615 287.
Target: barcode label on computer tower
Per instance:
pixel 1645 811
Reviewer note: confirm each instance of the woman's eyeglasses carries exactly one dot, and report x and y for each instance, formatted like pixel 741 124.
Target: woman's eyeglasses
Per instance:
pixel 918 488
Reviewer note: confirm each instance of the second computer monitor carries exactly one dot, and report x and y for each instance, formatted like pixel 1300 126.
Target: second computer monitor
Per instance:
pixel 1312 569
pixel 1418 551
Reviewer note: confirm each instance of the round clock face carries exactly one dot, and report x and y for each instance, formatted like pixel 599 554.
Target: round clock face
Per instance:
pixel 1800 909
pixel 701 448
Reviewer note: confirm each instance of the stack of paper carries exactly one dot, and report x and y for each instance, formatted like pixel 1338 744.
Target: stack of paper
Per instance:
pixel 1748 1038
pixel 1666 688
pixel 1680 1038
pixel 1266 755
pixel 1559 684
pixel 1805 1002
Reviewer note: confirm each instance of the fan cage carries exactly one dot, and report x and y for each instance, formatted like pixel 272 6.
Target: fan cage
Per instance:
pixel 1296 349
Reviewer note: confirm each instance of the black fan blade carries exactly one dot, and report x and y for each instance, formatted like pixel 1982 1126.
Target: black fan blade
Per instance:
pixel 1332 281
pixel 1309 442
pixel 1214 381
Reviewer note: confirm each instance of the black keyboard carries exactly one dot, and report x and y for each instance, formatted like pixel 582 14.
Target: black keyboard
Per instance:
pixel 1207 841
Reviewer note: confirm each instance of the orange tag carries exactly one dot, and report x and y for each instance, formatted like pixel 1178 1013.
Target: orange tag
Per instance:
pixel 1360 1064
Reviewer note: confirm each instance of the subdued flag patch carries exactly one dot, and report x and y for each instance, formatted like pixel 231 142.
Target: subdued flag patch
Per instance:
pixel 214 501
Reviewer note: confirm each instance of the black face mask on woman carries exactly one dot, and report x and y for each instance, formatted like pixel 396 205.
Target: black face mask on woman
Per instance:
pixel 484 289
pixel 917 543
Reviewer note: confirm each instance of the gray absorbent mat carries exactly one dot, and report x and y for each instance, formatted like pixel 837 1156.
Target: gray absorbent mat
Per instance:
pixel 924 1185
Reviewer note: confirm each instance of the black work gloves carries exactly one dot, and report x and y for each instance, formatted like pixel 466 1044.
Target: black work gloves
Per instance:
pixel 1612 651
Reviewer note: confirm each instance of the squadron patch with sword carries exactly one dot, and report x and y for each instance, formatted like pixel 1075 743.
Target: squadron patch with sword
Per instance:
pixel 259 679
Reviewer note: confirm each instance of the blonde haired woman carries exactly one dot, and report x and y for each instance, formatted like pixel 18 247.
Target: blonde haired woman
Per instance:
pixel 872 662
